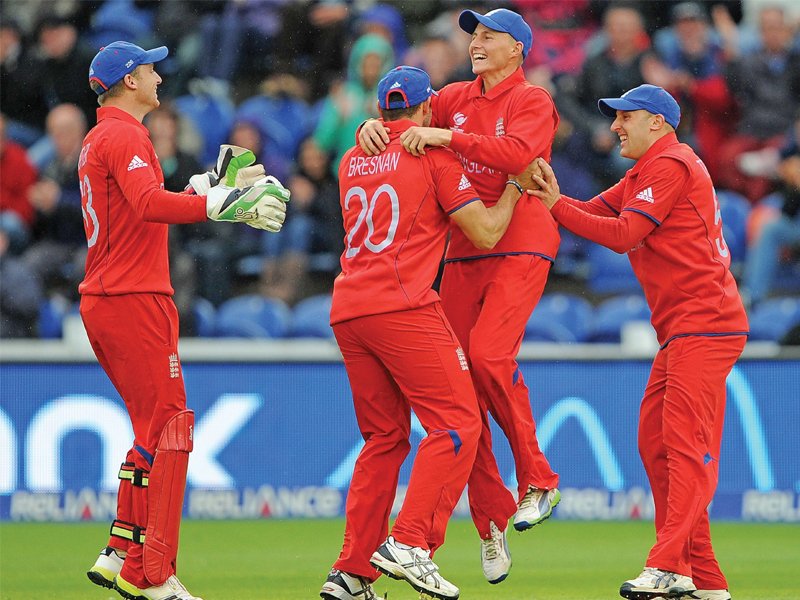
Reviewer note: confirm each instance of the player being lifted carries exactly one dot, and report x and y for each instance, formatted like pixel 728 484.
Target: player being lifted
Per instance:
pixel 127 307
pixel 664 214
pixel 497 124
pixel 398 347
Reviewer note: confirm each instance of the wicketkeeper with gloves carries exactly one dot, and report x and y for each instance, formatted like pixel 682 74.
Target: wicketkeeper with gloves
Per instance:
pixel 127 307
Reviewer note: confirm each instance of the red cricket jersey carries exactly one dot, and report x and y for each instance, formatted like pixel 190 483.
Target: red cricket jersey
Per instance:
pixel 496 135
pixel 395 209
pixel 683 263
pixel 126 209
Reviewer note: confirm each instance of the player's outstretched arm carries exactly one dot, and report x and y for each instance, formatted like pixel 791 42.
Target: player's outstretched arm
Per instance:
pixel 262 206
pixel 234 168
pixel 373 137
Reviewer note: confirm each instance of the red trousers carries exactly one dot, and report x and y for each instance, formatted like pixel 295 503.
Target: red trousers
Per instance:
pixel 135 339
pixel 396 362
pixel 488 302
pixel 680 435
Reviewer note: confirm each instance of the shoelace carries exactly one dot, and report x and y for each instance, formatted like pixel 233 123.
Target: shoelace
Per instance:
pixel 491 547
pixel 527 499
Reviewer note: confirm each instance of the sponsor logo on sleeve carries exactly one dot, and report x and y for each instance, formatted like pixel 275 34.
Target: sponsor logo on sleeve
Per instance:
pixel 136 163
pixel 646 195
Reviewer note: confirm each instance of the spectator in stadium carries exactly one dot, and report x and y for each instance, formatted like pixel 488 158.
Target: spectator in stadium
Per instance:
pixel 495 123
pixel 781 234
pixel 352 101
pixel 385 20
pixel 18 98
pixel 127 213
pixel 20 294
pixel 691 67
pixel 617 67
pixel 664 215
pixel 17 176
pixel 58 245
pixel 766 85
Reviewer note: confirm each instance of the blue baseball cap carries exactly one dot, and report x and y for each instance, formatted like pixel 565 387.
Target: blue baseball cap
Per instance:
pixel 412 85
pixel 118 59
pixel 500 19
pixel 647 97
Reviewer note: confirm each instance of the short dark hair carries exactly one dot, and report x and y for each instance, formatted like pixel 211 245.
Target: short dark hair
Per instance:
pixel 395 114
pixel 114 90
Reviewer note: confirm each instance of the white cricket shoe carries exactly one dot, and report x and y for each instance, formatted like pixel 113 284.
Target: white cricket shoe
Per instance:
pixel 536 506
pixel 171 589
pixel 343 586
pixel 495 555
pixel 710 595
pixel 106 567
pixel 655 583
pixel 415 566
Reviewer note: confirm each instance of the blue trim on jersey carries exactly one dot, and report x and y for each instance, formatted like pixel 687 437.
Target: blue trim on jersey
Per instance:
pixel 641 212
pixel 515 378
pixel 456 440
pixel 722 334
pixel 147 456
pixel 607 204
pixel 463 204
pixel 539 254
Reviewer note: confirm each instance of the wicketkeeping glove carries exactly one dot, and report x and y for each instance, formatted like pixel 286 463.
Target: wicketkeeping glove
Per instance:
pixel 262 206
pixel 236 166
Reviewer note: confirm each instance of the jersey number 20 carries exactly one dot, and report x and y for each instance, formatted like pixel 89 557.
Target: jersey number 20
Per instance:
pixel 365 215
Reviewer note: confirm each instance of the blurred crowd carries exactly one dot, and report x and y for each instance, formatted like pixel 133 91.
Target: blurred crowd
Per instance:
pixel 292 80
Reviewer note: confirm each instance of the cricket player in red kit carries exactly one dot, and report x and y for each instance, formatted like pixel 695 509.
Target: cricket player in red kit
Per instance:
pixel 128 312
pixel 399 349
pixel 496 124
pixel 664 214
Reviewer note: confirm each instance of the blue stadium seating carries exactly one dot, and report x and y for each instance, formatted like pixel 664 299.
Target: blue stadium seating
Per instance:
pixel 253 316
pixel 773 318
pixel 212 116
pixel 734 210
pixel 205 316
pixel 285 121
pixel 560 318
pixel 611 315
pixel 51 317
pixel 609 272
pixel 311 317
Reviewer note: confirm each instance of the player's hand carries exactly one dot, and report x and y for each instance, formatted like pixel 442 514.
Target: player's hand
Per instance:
pixel 414 139
pixel 373 137
pixel 262 206
pixel 234 167
pixel 548 191
pixel 525 179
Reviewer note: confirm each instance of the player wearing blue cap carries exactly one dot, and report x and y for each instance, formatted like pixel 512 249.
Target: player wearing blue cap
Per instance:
pixel 664 214
pixel 497 124
pixel 127 307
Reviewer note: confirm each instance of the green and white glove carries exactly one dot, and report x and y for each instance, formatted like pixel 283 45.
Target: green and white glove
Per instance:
pixel 262 206
pixel 234 168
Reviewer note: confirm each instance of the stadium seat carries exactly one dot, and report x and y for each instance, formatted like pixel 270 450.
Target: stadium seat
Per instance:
pixel 253 316
pixel 205 315
pixel 612 314
pixel 609 272
pixel 560 318
pixel 773 318
pixel 51 317
pixel 311 317
pixel 212 115
pixel 734 210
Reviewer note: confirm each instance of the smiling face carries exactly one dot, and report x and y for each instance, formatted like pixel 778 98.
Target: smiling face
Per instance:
pixel 634 128
pixel 147 82
pixel 491 51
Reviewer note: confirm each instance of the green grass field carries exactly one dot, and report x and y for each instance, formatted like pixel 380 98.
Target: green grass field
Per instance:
pixel 283 560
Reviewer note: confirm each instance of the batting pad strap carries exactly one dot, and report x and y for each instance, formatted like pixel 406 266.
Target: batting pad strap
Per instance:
pixel 165 497
pixel 128 531
pixel 137 477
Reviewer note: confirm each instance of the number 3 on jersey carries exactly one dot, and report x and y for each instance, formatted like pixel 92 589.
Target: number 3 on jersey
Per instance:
pixel 88 212
pixel 387 219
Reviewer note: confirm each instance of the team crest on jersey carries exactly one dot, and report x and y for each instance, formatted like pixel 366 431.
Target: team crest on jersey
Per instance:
pixel 646 195
pixel 174 366
pixel 499 128
pixel 462 359
pixel 136 163
pixel 458 122
pixel 464 183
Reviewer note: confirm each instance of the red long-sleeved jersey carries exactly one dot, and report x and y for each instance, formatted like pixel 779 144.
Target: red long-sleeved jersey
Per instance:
pixel 126 209
pixel 664 214
pixel 495 135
